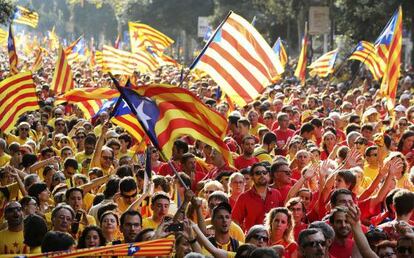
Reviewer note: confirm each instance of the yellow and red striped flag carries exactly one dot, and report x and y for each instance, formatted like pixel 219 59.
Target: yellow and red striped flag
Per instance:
pixel 300 71
pixel 37 64
pixel 25 16
pixel 90 107
pixel 11 48
pixel 17 96
pixel 85 94
pixel 62 77
pixel 389 45
pixel 142 35
pixel 366 53
pixel 72 45
pixel 324 65
pixel 239 59
pixel 280 52
pixel 152 248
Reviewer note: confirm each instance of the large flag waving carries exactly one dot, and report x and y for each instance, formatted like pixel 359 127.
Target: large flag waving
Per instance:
pixel 11 48
pixel 167 112
pixel 239 59
pixel 25 16
pixel 62 77
pixel 17 95
pixel 280 52
pixel 389 45
pixel 366 53
pixel 142 35
pixel 300 71
pixel 324 65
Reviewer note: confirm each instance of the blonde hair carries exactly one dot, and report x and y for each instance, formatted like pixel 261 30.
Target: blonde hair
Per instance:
pixel 270 217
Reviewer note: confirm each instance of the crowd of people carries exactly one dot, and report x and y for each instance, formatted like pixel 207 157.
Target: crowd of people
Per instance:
pixel 322 170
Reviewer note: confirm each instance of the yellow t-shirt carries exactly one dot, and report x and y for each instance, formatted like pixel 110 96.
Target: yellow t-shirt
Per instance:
pixel 13 138
pixel 235 231
pixel 81 156
pixel 149 223
pixel 371 172
pixel 255 130
pixel 4 159
pixel 88 201
pixel 262 155
pixel 12 242
pixel 404 182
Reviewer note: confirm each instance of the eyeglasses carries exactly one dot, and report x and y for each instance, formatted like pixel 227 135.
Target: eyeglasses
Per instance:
pixel 107 157
pixel 314 244
pixel 129 196
pixel 24 129
pixel 261 172
pixel 402 124
pixel 403 250
pixel 80 136
pixel 261 238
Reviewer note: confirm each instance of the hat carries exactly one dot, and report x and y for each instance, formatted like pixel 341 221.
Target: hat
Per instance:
pixel 235 114
pixel 370 111
pixel 279 95
pixel 405 96
pixel 221 206
pixel 400 108
pixel 111 134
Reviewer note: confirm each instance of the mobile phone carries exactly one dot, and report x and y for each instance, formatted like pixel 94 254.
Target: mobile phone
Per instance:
pixel 75 225
pixel 175 227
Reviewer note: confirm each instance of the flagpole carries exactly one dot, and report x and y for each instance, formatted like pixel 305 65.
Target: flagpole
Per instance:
pixel 193 64
pixel 146 131
pixel 342 65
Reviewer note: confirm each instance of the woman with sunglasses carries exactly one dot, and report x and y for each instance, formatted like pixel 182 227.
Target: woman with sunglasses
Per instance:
pixel 280 226
pixel 258 236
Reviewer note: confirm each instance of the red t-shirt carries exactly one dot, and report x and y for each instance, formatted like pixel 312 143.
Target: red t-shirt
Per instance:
pixel 297 229
pixel 282 138
pixel 250 208
pixel 241 162
pixel 342 251
pixel 166 170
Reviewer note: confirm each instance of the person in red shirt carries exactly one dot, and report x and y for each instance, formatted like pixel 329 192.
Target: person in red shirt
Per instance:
pixel 188 166
pixel 220 165
pixel 247 158
pixel 179 148
pixel 298 211
pixel 236 187
pixel 252 205
pixel 283 133
pixel 282 178
pixel 343 244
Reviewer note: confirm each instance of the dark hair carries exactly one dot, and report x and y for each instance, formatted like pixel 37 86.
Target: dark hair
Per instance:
pixel 336 193
pixel 348 177
pixel 159 195
pixel 305 233
pixel 36 188
pixel 186 156
pixel 35 228
pixel 368 127
pixel 306 128
pixel 266 252
pixel 57 241
pixel 404 136
pixel 162 182
pixel 141 234
pixel 245 250
pixel 352 128
pixel 186 179
pixel 124 171
pixel 106 208
pixel 403 201
pixel 316 122
pixel 71 190
pixel 108 212
pixel 46 170
pixel 70 162
pixel 98 198
pixel 276 166
pixel 90 139
pixel 112 187
pixel 128 184
pixel 181 145
pixel 334 212
pixel 221 206
pixel 127 138
pixel 60 207
pixel 28 160
pixel 82 238
pixel 219 195
pixel 255 165
pixel 269 137
pixel 130 213
pixel 369 149
pixel 244 121
pixel 25 200
pixel 46 150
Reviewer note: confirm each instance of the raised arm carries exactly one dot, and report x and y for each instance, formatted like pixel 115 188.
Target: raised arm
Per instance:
pixel 309 172
pixel 203 240
pixel 96 157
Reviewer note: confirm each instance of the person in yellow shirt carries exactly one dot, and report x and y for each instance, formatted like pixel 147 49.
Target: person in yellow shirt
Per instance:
pixel 90 142
pixel 35 228
pixel 129 191
pixel 126 143
pixel 160 205
pixel 74 197
pixel 371 167
pixel 22 136
pixel 11 238
pixel 263 152
pixel 4 157
pixel 253 118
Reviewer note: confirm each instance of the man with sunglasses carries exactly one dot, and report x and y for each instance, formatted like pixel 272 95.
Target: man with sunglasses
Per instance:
pixel 371 167
pixel 129 190
pixel 312 243
pixel 252 205
pixel 11 238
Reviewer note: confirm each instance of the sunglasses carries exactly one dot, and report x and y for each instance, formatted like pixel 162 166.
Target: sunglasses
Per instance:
pixel 403 124
pixel 314 244
pixel 129 196
pixel 24 129
pixel 80 136
pixel 261 172
pixel 261 238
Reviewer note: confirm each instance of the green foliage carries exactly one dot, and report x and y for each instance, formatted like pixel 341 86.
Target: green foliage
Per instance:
pixel 6 11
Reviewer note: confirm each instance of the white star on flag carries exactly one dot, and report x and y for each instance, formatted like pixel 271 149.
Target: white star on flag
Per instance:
pixel 142 116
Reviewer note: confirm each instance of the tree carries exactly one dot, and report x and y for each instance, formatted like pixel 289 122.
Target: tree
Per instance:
pixel 6 11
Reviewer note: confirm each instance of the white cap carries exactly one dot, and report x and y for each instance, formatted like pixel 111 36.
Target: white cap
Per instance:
pixel 400 108
pixel 235 114
pixel 370 111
